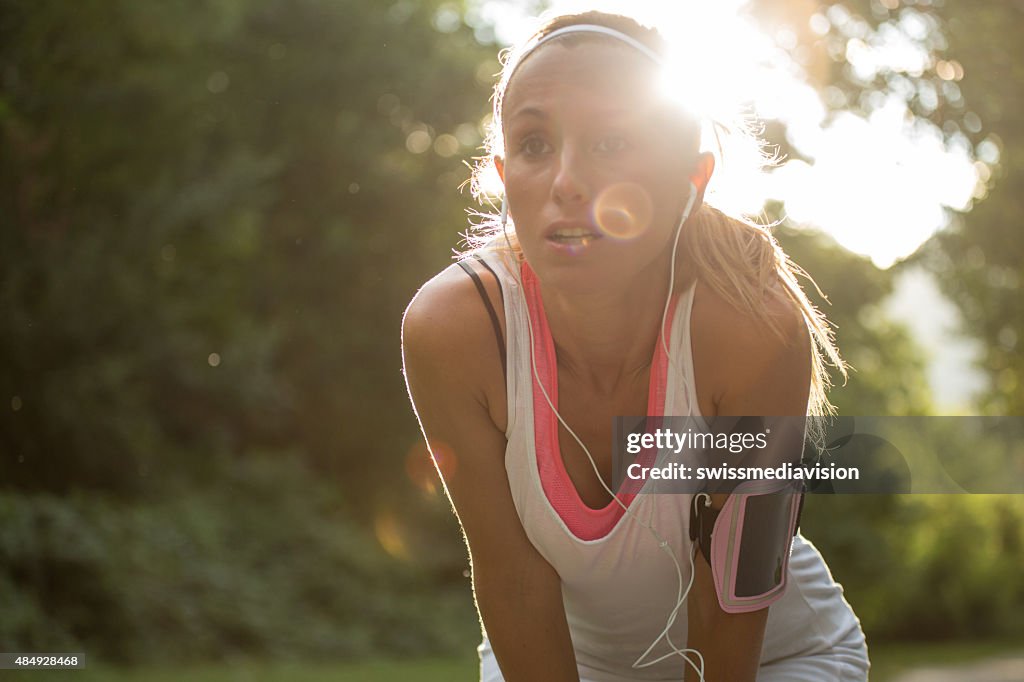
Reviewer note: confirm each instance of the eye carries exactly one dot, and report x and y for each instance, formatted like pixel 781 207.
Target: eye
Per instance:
pixel 533 146
pixel 611 144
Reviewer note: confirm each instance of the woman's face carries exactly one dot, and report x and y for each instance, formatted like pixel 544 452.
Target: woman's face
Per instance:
pixel 594 169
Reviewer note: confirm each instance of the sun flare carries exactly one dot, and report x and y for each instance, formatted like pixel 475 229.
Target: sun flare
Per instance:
pixel 880 185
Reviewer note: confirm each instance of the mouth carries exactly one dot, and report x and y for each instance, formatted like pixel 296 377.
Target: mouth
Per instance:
pixel 571 234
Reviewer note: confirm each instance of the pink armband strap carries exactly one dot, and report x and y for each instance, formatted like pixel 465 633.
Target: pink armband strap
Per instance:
pixel 748 541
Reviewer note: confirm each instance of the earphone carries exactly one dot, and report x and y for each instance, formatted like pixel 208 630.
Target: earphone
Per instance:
pixel 627 509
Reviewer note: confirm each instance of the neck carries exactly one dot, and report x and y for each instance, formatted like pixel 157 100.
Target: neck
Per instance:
pixel 606 338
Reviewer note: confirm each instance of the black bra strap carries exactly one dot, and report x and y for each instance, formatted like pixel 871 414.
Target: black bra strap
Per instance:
pixel 490 308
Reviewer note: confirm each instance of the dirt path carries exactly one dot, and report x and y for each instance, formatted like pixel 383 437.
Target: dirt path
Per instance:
pixel 1001 669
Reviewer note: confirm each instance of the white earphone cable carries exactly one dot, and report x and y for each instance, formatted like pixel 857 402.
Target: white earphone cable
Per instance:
pixel 662 544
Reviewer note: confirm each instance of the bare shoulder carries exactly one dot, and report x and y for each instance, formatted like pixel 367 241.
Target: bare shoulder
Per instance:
pixel 715 316
pixel 736 350
pixel 446 332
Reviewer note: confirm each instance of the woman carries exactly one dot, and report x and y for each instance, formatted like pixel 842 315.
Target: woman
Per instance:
pixel 618 292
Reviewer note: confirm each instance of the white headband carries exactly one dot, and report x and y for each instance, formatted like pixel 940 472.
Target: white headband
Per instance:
pixel 590 28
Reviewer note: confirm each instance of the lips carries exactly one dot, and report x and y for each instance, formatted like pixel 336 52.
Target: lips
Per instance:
pixel 571 233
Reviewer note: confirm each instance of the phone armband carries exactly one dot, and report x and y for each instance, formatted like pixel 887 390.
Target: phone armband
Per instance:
pixel 748 541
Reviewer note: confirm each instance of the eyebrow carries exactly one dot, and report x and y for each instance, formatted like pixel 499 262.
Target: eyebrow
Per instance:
pixel 529 111
pixel 537 112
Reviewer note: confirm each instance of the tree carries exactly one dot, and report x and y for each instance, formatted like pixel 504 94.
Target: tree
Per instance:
pixel 214 217
pixel 973 56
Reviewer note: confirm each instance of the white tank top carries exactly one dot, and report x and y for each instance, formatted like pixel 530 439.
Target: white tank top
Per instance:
pixel 618 586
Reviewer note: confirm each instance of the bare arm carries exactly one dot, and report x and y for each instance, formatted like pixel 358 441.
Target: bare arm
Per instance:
pixel 743 369
pixel 518 594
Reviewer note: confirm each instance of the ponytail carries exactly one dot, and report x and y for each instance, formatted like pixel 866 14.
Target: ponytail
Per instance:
pixel 744 264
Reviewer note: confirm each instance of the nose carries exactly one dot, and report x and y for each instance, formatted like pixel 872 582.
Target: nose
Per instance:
pixel 570 183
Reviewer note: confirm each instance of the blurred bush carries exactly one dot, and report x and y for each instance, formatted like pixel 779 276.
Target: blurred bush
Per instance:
pixel 258 561
pixel 212 219
pixel 925 566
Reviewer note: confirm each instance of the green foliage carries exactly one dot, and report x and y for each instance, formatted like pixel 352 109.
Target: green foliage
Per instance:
pixel 259 562
pixel 956 574
pixel 979 261
pixel 212 223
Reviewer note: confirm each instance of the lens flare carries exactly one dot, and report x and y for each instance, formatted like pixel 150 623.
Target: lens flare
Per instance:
pixel 444 459
pixel 623 210
pixel 419 467
pixel 391 536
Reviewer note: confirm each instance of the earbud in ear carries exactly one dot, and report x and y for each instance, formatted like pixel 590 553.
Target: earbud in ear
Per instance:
pixel 690 201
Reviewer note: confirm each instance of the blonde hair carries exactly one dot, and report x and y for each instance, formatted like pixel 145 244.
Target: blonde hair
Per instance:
pixel 737 258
